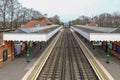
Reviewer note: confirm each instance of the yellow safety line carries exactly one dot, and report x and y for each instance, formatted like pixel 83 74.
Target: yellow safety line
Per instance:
pixel 97 70
pixel 43 60
pixel 99 73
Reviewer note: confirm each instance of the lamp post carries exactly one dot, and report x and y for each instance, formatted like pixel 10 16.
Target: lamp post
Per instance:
pixel 108 53
pixel 41 45
pixel 28 52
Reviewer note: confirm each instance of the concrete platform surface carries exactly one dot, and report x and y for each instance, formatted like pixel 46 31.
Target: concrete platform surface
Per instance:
pixel 113 67
pixel 16 69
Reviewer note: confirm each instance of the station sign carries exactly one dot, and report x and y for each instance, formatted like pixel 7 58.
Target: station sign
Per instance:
pixel 97 43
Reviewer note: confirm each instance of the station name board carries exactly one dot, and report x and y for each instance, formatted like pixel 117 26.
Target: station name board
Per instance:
pixel 97 43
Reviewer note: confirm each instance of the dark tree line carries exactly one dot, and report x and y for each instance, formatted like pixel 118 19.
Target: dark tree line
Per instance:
pixel 102 20
pixel 13 14
pixel 55 19
pixel 108 20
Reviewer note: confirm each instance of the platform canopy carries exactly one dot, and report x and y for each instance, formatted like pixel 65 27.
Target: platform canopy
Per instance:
pixel 93 33
pixel 32 34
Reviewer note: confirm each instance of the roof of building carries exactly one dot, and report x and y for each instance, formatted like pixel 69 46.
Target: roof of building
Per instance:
pixel 116 31
pixel 32 34
pixel 99 29
pixel 34 29
pixel 43 21
pixel 31 24
pixel 98 33
pixel 92 23
pixel 88 30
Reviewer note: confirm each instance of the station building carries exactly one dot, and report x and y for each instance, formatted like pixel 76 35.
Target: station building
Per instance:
pixel 6 52
pixel 33 31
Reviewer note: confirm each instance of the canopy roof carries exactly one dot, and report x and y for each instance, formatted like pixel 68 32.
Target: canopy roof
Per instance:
pixel 32 34
pixel 98 33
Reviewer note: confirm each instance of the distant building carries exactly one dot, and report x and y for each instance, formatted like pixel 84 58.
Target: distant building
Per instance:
pixel 92 23
pixel 43 21
pixel 66 24
pixel 8 50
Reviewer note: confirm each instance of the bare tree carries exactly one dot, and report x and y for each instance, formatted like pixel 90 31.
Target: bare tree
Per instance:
pixel 13 14
pixel 18 13
pixel 55 19
pixel 12 8
pixel 35 14
pixel 4 11
pixel 28 14
pixel 116 18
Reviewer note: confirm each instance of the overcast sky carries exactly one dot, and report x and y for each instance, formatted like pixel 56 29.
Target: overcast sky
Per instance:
pixel 72 9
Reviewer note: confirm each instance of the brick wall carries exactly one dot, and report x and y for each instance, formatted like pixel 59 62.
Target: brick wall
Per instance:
pixel 9 47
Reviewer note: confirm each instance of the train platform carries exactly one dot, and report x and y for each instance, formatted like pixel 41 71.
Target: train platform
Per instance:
pixel 101 34
pixel 100 54
pixel 16 69
pixel 19 67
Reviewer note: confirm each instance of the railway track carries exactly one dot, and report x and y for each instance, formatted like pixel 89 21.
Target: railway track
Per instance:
pixel 67 61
